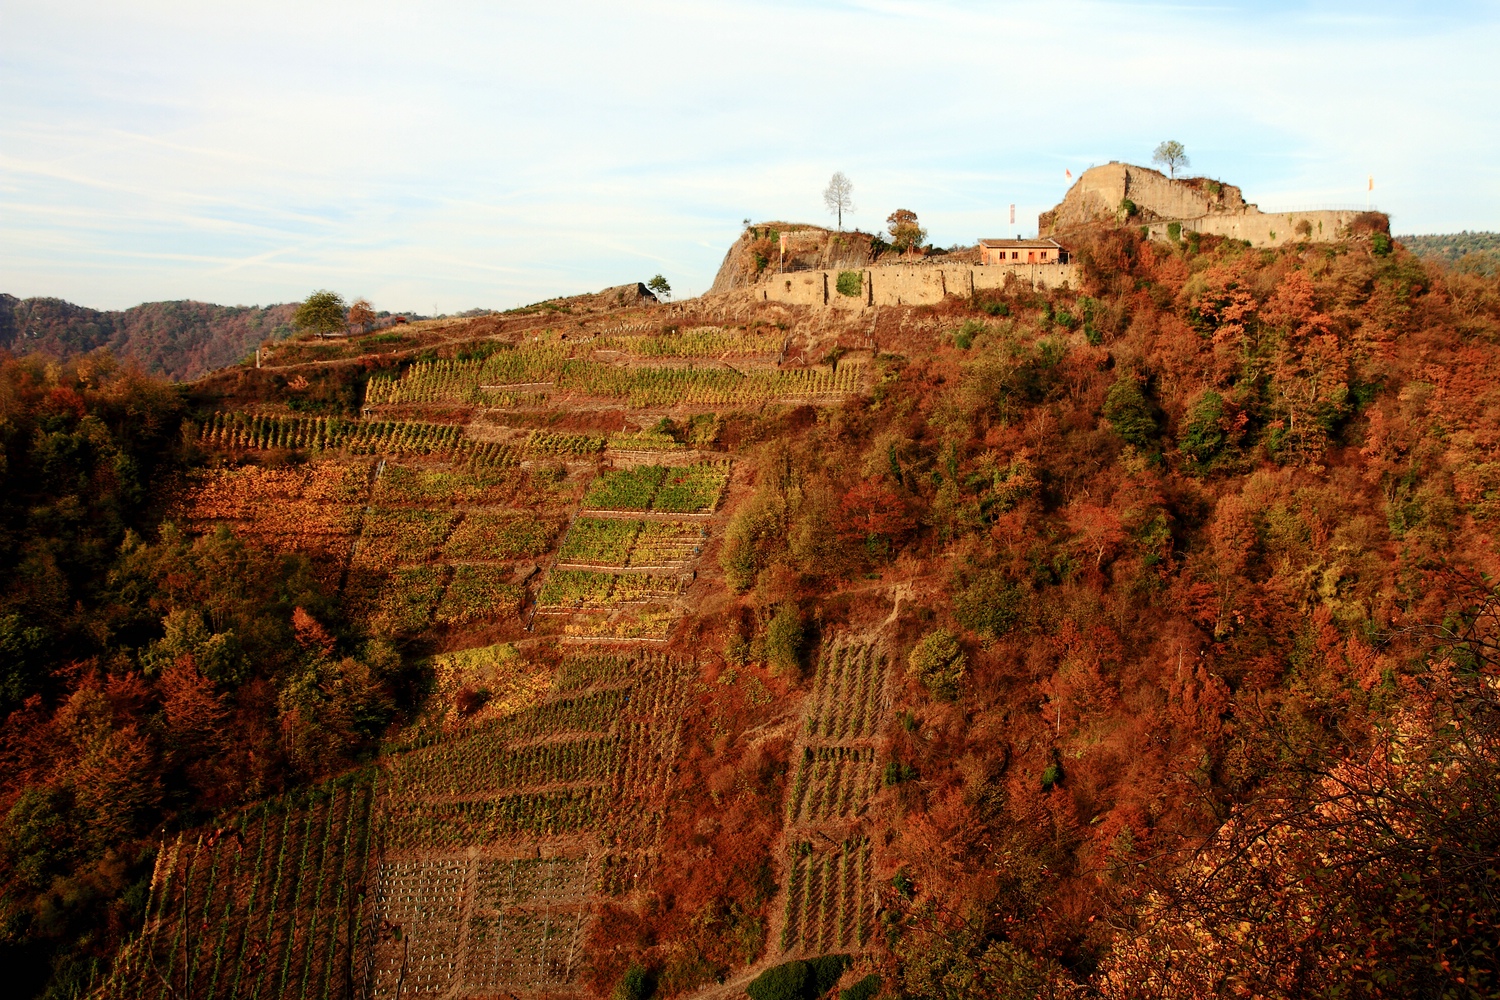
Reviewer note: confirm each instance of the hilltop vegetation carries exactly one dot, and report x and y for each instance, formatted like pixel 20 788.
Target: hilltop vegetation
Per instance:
pixel 1475 252
pixel 1133 639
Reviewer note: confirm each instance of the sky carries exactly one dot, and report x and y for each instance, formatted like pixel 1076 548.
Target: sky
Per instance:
pixel 443 156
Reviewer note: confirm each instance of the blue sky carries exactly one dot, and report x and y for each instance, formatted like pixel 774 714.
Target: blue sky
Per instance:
pixel 453 155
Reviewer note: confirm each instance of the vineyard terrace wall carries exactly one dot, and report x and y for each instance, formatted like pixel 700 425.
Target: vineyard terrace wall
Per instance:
pixel 909 285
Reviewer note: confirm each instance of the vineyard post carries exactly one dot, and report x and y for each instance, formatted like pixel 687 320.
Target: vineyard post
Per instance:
pixel 224 920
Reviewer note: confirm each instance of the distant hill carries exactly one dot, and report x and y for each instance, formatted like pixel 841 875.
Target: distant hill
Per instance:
pixel 1477 252
pixel 180 340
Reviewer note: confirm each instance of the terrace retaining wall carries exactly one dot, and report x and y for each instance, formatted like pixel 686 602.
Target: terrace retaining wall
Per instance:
pixel 909 285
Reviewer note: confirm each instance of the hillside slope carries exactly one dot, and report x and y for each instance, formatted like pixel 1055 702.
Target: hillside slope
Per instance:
pixel 1031 644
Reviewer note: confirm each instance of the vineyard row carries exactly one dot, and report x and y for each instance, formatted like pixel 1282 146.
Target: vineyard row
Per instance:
pixel 832 783
pixel 269 906
pixel 464 382
pixel 357 437
pixel 848 691
pixel 689 489
pixel 581 588
pixel 829 902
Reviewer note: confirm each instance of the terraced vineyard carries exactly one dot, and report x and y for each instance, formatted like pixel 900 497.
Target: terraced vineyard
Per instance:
pixel 830 906
pixel 688 489
pixel 413 543
pixel 665 543
pixel 832 783
pixel 422 526
pixel 468 868
pixel 848 699
pixel 652 621
pixel 501 535
pixel 356 437
pixel 411 485
pixel 617 576
pixel 273 904
pixel 568 445
pixel 617 541
pixel 540 369
pixel 315 508
pixel 830 902
pixel 478 593
pixel 484 903
pixel 394 536
pixel 582 588
pixel 625 489
pixel 644 440
pixel 697 342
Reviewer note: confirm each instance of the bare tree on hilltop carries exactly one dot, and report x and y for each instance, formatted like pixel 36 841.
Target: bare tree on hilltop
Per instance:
pixel 1171 155
pixel 839 196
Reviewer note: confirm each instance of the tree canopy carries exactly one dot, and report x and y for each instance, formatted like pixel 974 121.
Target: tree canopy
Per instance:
pixel 1171 155
pixel 361 314
pixel 323 312
pixel 906 233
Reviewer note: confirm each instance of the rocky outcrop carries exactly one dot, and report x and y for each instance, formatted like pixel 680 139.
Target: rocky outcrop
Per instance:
pixel 757 251
pixel 1100 192
pixel 617 296
pixel 1139 196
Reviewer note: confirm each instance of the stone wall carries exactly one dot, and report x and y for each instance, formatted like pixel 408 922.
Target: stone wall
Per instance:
pixel 1266 229
pixel 908 285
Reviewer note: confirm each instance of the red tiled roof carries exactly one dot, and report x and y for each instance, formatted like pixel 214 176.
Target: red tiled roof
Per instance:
pixel 1044 244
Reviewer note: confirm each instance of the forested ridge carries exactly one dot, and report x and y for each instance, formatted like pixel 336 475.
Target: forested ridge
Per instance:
pixel 1182 580
pixel 1478 252
pixel 181 340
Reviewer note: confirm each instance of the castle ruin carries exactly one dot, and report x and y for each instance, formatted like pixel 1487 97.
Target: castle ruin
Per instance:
pixel 1124 193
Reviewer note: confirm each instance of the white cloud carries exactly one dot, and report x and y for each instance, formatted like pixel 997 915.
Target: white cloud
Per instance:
pixel 482 154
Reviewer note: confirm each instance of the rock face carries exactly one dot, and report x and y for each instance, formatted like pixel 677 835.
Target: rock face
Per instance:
pixel 1098 193
pixel 1124 193
pixel 618 296
pixel 758 250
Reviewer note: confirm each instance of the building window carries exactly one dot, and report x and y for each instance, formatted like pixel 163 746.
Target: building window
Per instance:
pixel 1015 255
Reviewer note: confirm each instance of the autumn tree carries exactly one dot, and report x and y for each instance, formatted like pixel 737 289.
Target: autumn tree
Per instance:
pixel 906 234
pixel 1370 872
pixel 361 314
pixel 323 312
pixel 839 196
pixel 1130 412
pixel 1171 155
pixel 938 661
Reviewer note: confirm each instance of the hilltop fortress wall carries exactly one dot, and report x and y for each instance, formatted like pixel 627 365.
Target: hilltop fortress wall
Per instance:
pixel 907 285
pixel 1265 229
pixel 1196 204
